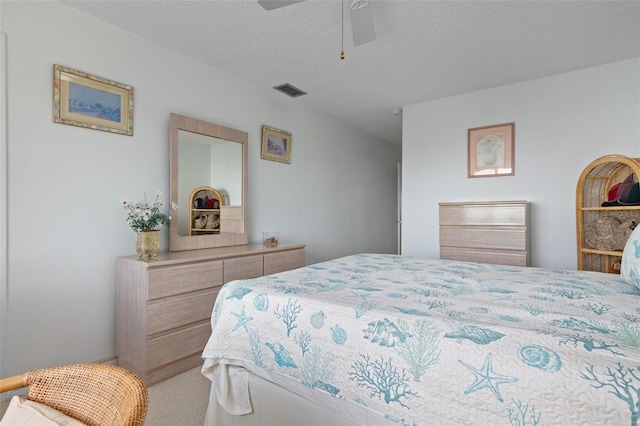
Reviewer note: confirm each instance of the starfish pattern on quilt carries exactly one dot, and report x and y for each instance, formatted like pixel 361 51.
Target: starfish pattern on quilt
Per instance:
pixel 487 378
pixel 243 319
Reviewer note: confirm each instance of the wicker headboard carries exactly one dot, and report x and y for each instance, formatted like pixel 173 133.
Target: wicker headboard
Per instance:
pixel 486 231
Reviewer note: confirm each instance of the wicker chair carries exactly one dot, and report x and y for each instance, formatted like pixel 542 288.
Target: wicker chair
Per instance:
pixel 95 394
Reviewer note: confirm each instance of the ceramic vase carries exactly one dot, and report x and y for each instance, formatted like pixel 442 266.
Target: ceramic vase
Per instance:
pixel 147 244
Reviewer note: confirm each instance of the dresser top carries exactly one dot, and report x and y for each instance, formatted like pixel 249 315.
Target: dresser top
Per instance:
pixel 484 203
pixel 218 253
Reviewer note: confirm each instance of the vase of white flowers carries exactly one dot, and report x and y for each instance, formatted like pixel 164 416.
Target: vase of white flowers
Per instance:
pixel 146 219
pixel 147 244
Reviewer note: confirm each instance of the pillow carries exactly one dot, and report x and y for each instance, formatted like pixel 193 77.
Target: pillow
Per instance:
pixel 633 199
pixel 612 195
pixel 22 412
pixel 630 268
pixel 624 189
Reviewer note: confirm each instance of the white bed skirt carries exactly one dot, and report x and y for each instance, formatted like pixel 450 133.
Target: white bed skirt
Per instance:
pixel 270 404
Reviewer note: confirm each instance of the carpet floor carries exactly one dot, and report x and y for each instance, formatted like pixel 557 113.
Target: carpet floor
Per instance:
pixel 179 401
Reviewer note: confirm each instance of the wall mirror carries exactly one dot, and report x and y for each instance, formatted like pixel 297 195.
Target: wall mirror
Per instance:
pixel 208 182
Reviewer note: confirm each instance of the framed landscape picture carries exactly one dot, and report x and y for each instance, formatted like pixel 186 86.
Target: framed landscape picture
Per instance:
pixel 491 150
pixel 276 145
pixel 85 100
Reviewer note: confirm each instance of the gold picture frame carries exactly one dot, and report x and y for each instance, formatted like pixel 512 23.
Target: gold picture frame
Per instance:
pixel 276 145
pixel 491 151
pixel 85 100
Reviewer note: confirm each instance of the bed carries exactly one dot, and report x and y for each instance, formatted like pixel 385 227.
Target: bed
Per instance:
pixel 386 339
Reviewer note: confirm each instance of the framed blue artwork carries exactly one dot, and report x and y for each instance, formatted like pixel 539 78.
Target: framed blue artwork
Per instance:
pixel 276 145
pixel 85 100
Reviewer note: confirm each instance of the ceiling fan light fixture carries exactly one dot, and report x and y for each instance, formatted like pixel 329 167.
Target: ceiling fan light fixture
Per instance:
pixel 362 22
pixel 290 90
pixel 358 4
pixel 276 4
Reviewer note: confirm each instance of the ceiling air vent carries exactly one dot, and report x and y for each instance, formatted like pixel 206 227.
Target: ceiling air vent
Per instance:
pixel 290 90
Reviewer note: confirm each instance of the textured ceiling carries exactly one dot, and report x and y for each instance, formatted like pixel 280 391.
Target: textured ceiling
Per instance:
pixel 424 50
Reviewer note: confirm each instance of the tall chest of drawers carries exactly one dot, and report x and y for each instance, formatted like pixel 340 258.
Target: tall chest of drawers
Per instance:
pixel 486 232
pixel 163 306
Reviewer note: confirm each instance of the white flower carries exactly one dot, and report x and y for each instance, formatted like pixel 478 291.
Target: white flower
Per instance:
pixel 142 217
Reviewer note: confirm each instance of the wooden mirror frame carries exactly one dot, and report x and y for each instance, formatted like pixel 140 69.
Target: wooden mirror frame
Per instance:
pixel 183 242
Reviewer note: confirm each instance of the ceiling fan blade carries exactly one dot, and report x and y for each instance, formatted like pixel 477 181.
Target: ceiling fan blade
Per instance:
pixel 276 4
pixel 362 22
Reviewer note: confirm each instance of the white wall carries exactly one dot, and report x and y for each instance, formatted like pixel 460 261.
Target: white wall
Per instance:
pixel 226 171
pixel 65 227
pixel 3 200
pixel 562 123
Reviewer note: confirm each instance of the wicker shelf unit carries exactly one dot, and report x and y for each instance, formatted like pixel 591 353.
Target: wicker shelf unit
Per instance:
pixel 205 219
pixel 602 231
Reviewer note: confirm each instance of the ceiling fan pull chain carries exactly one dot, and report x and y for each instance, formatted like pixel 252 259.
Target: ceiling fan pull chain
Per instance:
pixel 342 18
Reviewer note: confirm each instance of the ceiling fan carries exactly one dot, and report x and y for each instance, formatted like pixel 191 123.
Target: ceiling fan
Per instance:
pixel 361 20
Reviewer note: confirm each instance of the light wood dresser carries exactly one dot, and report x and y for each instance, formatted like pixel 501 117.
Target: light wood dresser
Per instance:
pixel 163 306
pixel 486 232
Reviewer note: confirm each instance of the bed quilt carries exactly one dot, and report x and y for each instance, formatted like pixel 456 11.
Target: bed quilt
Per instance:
pixel 424 341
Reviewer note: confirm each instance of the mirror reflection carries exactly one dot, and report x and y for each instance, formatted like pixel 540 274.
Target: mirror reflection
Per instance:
pixel 208 182
pixel 209 179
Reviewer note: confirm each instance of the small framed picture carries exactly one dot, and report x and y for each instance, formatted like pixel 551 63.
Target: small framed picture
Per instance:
pixel 85 100
pixel 491 151
pixel 276 145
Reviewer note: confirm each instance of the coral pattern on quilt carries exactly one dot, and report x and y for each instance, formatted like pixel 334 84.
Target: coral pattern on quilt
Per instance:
pixel 422 341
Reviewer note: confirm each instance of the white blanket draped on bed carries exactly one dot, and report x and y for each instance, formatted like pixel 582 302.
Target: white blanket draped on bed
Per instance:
pixel 420 341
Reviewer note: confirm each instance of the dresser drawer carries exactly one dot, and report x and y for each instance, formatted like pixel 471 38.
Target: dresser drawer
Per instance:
pixel 243 268
pixel 283 261
pixel 483 237
pixel 174 346
pixel 180 311
pixel 505 214
pixel 168 281
pixel 500 257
